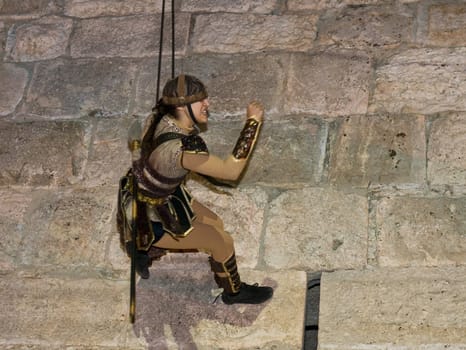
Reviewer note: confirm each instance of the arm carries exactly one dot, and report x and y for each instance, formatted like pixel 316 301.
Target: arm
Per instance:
pixel 231 167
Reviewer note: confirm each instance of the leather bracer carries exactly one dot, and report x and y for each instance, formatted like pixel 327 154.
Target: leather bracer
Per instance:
pixel 247 139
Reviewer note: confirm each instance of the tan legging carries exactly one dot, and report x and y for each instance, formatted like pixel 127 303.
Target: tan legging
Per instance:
pixel 208 235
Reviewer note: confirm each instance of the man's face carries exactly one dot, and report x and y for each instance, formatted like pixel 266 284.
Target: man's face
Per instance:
pixel 201 110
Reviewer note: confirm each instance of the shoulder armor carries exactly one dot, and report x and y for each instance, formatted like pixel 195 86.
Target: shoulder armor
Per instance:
pixel 194 144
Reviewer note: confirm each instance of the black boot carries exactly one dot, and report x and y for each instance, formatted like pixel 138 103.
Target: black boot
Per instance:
pixel 143 261
pixel 248 294
pixel 234 291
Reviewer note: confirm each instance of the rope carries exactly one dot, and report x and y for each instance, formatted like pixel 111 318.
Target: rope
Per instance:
pixel 162 25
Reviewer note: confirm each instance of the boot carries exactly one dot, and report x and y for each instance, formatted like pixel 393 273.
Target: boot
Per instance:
pixel 234 291
pixel 143 261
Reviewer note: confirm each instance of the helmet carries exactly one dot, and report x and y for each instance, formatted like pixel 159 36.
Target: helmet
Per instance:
pixel 183 90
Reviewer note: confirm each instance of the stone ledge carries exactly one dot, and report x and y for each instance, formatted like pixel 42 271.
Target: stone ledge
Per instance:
pixel 174 310
pixel 416 308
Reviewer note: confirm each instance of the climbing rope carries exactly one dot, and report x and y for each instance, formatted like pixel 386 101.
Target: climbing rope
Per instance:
pixel 162 25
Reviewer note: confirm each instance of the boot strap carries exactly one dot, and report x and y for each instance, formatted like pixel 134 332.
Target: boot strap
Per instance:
pixel 231 282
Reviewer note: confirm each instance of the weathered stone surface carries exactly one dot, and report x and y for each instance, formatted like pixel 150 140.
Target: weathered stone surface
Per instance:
pixel 39 40
pixel 42 154
pixel 421 81
pixel 393 309
pixel 368 27
pixel 99 8
pixel 27 8
pixel 13 80
pixel 68 228
pixel 43 312
pixel 232 33
pixel 96 87
pixel 239 6
pixel 242 212
pixel 288 151
pixel 13 207
pixel 233 81
pixel 109 157
pixel 379 149
pixel 328 83
pixel 90 312
pixel 300 5
pixel 316 229
pixel 134 36
pixel 417 231
pixel 447 147
pixel 447 24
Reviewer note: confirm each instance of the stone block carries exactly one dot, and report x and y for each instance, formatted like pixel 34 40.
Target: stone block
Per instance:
pixel 316 229
pixel 233 33
pixel 62 312
pixel 447 24
pixel 71 89
pixel 27 8
pixel 289 151
pixel 13 210
pixel 421 81
pixel 447 145
pixel 69 228
pixel 239 6
pixel 109 157
pixel 393 309
pixel 130 36
pixel 13 81
pixel 303 5
pixel 327 83
pixel 379 149
pixel 420 231
pixel 369 28
pixel 174 309
pixel 42 39
pixel 200 324
pixel 242 211
pixel 101 8
pixel 42 153
pixel 234 80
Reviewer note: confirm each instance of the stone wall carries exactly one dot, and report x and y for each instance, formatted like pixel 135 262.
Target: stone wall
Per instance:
pixel 360 162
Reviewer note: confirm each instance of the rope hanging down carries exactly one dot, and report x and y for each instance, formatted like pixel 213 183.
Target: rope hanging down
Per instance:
pixel 162 24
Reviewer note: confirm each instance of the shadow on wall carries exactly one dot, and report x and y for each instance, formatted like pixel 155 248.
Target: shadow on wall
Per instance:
pixel 169 305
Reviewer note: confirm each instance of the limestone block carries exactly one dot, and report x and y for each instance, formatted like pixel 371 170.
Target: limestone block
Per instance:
pixel 241 6
pixel 42 153
pixel 288 151
pixel 232 33
pixel 242 212
pixel 300 5
pixel 39 40
pixel 416 308
pixel 13 80
pixel 316 229
pixel 328 83
pixel 447 24
pixel 368 28
pixel 421 81
pixel 234 80
pixel 131 36
pixel 447 146
pixel 100 8
pixel 417 231
pixel 13 208
pixel 70 89
pixel 3 32
pixel 58 312
pixel 109 156
pixel 380 149
pixel 200 324
pixel 69 228
pixel 26 8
